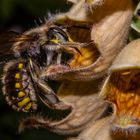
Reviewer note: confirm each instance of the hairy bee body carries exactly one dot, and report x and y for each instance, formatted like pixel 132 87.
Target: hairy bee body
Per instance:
pixel 36 51
pixel 18 88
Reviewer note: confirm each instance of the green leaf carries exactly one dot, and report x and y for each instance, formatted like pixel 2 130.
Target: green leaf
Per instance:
pixel 136 24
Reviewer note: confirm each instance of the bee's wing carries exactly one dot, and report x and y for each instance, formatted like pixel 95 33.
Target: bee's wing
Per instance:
pixel 49 98
pixel 46 94
pixel 7 40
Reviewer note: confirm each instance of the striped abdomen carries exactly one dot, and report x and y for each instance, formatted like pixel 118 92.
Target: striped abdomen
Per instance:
pixel 18 88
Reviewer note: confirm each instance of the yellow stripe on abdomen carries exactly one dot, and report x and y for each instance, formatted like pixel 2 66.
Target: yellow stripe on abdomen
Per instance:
pixel 24 102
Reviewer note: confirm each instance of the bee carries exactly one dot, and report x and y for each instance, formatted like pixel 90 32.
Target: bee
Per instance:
pixel 34 51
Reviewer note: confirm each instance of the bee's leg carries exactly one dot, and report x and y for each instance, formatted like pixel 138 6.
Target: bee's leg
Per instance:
pixel 45 92
pixel 74 47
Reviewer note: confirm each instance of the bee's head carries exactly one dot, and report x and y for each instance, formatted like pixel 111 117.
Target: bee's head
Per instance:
pixel 37 42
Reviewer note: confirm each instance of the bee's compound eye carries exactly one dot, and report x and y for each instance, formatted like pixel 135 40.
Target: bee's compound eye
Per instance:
pixel 57 35
pixel 18 88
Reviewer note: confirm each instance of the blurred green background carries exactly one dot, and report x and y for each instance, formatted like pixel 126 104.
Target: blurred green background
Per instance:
pixel 20 15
